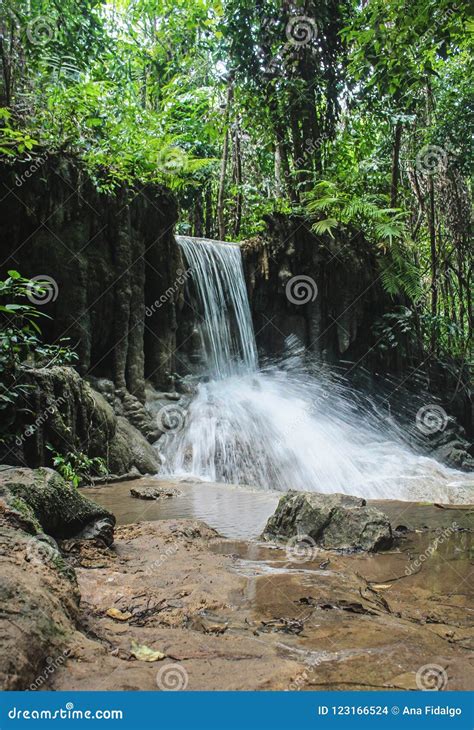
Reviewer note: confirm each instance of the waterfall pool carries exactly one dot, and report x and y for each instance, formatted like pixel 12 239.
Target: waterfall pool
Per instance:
pixel 289 424
pixel 239 512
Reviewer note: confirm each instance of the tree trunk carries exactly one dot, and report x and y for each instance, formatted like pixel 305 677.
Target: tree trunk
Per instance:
pixel 282 168
pixel 6 66
pixel 225 158
pixel 197 216
pixel 434 263
pixel 238 182
pixel 395 165
pixel 208 227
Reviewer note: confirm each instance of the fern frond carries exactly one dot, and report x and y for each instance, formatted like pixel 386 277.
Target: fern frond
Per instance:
pixel 314 206
pixel 325 226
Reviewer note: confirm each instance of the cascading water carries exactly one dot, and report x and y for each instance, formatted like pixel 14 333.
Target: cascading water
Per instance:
pixel 226 329
pixel 284 427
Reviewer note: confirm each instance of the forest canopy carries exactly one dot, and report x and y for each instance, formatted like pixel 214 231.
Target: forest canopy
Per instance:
pixel 356 116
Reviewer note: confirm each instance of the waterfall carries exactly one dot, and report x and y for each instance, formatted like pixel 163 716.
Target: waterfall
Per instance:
pixel 226 327
pixel 284 427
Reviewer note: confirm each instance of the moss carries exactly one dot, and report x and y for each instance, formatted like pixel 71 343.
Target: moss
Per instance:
pixel 19 505
pixel 51 504
pixel 63 567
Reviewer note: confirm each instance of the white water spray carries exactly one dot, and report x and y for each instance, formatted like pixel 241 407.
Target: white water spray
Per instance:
pixel 283 428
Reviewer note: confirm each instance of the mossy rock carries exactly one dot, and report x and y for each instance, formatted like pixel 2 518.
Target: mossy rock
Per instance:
pixel 50 504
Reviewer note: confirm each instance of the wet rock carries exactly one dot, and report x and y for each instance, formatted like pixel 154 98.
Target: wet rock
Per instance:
pixel 115 478
pixel 130 448
pixel 66 412
pixel 40 606
pixel 102 530
pixel 154 493
pixel 285 625
pixel 138 415
pixel 455 455
pixel 187 600
pixel 51 505
pixel 334 521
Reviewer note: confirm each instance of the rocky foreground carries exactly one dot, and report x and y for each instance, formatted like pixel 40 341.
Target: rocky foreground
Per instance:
pixel 172 605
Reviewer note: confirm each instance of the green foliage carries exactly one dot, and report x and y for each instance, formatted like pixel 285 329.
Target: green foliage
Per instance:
pixel 13 142
pixel 330 124
pixel 381 225
pixel 394 328
pixel 21 345
pixel 76 467
pixel 100 82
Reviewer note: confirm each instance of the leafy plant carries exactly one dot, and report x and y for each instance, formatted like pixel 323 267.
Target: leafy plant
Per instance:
pixel 395 328
pixel 13 141
pixel 21 345
pixel 76 467
pixel 380 224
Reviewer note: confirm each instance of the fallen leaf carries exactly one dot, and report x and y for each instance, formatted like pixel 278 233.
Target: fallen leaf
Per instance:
pixel 145 654
pixel 407 681
pixel 215 628
pixel 118 615
pixel 381 586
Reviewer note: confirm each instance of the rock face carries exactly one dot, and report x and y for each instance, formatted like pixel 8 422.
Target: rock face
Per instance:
pixel 112 256
pixel 334 521
pixel 46 503
pixel 38 590
pixel 130 449
pixel 63 410
pixel 41 597
pixel 332 275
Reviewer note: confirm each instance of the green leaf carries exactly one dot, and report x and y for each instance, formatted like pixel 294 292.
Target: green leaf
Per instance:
pixel 325 226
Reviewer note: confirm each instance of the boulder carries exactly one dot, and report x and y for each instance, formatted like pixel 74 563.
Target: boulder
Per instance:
pixel 64 411
pixel 129 448
pixel 333 521
pixel 46 503
pixel 151 493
